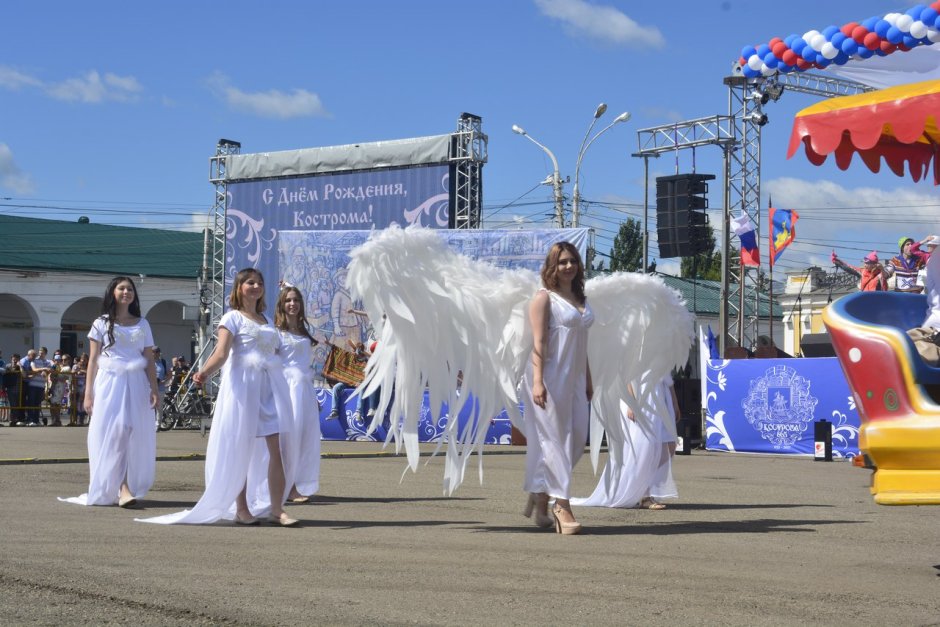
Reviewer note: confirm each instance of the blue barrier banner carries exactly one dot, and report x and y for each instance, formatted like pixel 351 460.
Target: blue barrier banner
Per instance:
pixel 351 425
pixel 770 405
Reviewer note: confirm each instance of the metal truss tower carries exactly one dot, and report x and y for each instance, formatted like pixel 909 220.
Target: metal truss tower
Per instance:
pixel 745 104
pixel 746 99
pixel 212 292
pixel 468 154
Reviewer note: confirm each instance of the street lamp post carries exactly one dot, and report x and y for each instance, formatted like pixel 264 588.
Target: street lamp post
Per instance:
pixel 556 177
pixel 585 144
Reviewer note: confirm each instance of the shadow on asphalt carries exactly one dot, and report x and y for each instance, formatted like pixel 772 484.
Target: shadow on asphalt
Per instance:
pixel 650 528
pixel 335 500
pixel 144 504
pixel 366 524
pixel 721 506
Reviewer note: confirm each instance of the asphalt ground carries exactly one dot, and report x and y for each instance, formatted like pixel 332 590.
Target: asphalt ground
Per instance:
pixel 754 540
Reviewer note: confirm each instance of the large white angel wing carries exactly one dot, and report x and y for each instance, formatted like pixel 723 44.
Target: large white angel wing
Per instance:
pixel 445 314
pixel 642 330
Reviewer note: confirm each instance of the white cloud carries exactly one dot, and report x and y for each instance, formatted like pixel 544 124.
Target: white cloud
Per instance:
pixel 850 221
pixel 14 79
pixel 272 103
pixel 660 113
pixel 93 88
pixel 669 266
pixel 603 23
pixel 837 205
pixel 11 177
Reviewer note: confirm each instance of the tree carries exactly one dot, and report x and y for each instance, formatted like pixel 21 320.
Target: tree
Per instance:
pixel 627 253
pixel 708 264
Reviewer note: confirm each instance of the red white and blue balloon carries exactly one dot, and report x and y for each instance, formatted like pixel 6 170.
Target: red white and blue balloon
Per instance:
pixel 879 35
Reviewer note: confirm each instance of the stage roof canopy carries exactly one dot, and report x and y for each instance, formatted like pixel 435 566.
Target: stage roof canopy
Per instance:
pixel 434 149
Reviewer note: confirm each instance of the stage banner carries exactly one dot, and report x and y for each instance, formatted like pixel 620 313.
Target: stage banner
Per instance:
pixel 257 211
pixel 770 405
pixel 315 262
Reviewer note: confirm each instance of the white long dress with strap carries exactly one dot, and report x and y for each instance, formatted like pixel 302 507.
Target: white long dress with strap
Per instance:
pixel 646 470
pixel 932 290
pixel 557 435
pixel 253 401
pixel 304 439
pixel 122 441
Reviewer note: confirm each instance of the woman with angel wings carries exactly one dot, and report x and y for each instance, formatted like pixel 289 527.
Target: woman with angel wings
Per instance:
pixel 449 314
pixel 557 387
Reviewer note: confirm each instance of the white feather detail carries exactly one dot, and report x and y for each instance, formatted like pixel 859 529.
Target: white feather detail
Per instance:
pixel 118 366
pixel 258 361
pixel 642 331
pixel 447 314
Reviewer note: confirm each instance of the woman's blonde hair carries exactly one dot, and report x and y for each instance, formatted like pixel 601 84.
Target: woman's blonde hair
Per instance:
pixel 550 269
pixel 235 298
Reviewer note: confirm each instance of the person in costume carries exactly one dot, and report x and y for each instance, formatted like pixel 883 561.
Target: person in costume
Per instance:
pixel 905 267
pixel 871 275
pixel 557 388
pixel 932 283
pixel 644 478
pixel 120 395
pixel 246 462
pixel 450 316
pixel 297 355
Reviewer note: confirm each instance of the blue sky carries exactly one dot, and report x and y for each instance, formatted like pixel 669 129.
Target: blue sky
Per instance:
pixel 112 110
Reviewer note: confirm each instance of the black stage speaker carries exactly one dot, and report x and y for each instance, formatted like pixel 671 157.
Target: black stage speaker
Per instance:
pixel 681 201
pixel 816 345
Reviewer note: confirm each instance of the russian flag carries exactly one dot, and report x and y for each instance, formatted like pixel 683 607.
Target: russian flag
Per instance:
pixel 744 228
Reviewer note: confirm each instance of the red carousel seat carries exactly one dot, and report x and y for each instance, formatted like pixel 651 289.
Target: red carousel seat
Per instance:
pixel 895 391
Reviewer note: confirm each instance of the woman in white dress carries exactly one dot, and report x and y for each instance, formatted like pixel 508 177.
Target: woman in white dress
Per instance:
pixel 245 462
pixel 557 388
pixel 644 478
pixel 120 394
pixel 297 355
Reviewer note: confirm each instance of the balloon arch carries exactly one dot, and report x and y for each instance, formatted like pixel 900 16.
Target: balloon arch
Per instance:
pixel 880 35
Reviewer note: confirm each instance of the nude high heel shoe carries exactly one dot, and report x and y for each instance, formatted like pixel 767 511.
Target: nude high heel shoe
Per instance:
pixel 531 506
pixel 562 527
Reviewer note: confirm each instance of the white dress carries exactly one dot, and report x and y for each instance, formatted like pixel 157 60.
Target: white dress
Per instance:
pixel 122 440
pixel 253 399
pixel 556 436
pixel 647 462
pixel 304 439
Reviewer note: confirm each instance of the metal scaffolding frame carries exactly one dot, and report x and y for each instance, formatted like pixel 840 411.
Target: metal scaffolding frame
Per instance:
pixel 215 282
pixel 745 106
pixel 468 154
pixel 746 99
pixel 738 134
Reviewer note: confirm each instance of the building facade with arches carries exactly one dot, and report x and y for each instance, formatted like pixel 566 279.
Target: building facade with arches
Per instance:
pixel 53 275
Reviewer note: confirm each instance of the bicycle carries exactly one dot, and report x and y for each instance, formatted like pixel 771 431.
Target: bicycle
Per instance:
pixel 186 411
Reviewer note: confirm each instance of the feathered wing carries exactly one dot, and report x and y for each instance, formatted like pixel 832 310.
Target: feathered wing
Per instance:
pixel 445 314
pixel 642 330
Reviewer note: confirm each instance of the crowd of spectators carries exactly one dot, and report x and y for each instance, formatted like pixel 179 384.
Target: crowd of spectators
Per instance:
pixel 37 390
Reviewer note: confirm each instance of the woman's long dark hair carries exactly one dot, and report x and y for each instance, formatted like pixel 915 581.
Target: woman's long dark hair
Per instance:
pixel 109 306
pixel 550 270
pixel 280 313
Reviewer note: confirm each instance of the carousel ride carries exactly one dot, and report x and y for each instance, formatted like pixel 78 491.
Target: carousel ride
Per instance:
pixel 896 393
